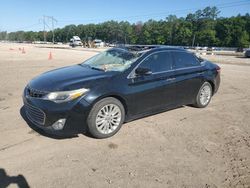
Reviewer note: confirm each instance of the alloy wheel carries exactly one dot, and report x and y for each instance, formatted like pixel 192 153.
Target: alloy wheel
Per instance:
pixel 108 118
pixel 205 95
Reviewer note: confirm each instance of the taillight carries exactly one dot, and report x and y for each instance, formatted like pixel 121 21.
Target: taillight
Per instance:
pixel 218 69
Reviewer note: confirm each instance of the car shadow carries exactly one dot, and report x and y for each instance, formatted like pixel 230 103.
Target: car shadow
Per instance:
pixel 84 131
pixel 157 112
pixel 47 134
pixel 6 180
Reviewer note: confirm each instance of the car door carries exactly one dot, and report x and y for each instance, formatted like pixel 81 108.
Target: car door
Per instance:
pixel 189 76
pixel 156 90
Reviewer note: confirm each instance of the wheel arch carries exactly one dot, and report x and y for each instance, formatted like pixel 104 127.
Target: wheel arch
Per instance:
pixel 116 96
pixel 212 85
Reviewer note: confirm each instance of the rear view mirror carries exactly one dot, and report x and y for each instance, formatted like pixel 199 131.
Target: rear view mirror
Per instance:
pixel 143 71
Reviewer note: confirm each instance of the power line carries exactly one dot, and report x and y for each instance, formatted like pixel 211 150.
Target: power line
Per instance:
pixel 50 19
pixel 27 27
pixel 221 5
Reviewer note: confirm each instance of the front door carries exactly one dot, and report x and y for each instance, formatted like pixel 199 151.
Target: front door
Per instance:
pixel 154 91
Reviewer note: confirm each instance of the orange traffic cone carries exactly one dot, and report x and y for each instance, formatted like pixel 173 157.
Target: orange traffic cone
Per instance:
pixel 23 51
pixel 50 56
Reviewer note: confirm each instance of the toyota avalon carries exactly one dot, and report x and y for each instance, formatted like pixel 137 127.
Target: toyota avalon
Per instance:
pixel 117 86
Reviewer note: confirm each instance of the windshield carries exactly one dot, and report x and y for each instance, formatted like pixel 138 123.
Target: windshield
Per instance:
pixel 112 60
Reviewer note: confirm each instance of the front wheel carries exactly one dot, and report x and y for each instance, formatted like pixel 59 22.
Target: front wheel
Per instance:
pixel 106 118
pixel 204 95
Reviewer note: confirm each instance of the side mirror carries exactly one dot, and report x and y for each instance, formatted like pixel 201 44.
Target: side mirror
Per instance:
pixel 141 71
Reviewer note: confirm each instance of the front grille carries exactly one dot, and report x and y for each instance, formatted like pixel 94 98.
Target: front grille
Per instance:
pixel 35 114
pixel 35 93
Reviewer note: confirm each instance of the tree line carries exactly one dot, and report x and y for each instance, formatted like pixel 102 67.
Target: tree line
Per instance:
pixel 201 28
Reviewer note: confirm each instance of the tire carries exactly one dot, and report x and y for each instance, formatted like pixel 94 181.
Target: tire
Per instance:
pixel 204 95
pixel 106 118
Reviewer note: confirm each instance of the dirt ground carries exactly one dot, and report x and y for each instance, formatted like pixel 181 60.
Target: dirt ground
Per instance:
pixel 185 147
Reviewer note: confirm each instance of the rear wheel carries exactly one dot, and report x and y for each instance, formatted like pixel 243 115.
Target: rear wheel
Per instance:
pixel 106 118
pixel 204 95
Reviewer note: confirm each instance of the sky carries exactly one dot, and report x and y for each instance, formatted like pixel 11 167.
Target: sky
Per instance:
pixel 27 14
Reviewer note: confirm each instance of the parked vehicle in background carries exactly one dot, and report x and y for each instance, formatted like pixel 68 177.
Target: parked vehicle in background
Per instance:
pixel 119 85
pixel 98 43
pixel 75 41
pixel 110 44
pixel 210 49
pixel 240 49
pixel 204 48
pixel 247 53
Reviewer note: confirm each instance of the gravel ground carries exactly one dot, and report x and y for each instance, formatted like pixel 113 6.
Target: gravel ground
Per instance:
pixel 232 60
pixel 185 147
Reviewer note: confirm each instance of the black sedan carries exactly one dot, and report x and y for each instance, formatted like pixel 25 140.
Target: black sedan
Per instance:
pixel 117 86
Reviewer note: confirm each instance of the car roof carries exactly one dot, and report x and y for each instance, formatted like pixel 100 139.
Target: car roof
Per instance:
pixel 141 49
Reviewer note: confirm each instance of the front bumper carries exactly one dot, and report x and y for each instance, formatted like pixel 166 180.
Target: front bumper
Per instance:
pixel 44 113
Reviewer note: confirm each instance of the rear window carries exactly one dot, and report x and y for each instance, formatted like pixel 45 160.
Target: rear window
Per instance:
pixel 184 60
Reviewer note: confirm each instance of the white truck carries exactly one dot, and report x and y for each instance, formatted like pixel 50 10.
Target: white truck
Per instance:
pixel 98 43
pixel 75 41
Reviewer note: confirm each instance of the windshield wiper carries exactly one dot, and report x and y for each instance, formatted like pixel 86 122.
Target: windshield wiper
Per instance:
pixel 84 65
pixel 94 68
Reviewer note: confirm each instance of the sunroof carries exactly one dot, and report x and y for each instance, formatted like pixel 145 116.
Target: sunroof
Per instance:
pixel 140 47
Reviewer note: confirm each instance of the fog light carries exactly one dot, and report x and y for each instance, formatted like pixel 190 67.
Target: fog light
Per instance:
pixel 58 125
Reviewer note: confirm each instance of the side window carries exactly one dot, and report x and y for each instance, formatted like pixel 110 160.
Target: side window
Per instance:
pixel 158 62
pixel 184 59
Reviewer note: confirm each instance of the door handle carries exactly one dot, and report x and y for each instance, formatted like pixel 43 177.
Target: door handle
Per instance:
pixel 200 73
pixel 170 79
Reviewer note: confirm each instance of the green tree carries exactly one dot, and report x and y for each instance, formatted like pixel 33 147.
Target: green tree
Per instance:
pixel 205 25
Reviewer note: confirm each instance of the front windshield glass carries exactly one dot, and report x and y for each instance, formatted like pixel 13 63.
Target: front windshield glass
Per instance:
pixel 112 60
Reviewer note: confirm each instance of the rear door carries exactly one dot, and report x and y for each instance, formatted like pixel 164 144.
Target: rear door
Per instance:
pixel 189 76
pixel 153 91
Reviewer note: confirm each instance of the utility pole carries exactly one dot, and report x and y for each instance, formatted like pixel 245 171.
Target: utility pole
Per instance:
pixel 44 32
pixel 193 41
pixel 125 39
pixel 51 20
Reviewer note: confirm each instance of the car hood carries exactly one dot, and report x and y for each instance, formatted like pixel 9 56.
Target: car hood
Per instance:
pixel 68 78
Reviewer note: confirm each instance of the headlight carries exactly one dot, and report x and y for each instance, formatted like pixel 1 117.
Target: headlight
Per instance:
pixel 64 96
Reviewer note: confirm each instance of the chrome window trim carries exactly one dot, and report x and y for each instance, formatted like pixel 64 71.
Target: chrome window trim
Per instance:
pixel 133 71
pixel 131 75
